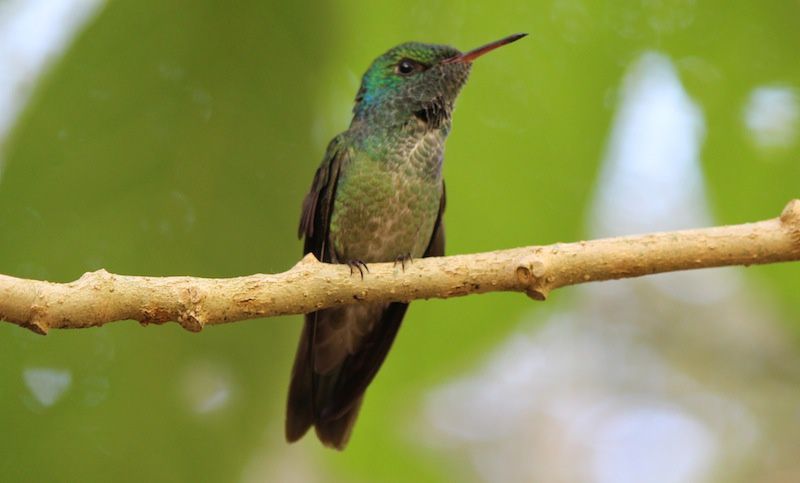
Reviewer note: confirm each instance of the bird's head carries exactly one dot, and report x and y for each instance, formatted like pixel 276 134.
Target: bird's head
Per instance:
pixel 415 79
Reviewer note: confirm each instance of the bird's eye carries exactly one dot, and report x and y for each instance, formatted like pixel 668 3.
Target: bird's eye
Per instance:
pixel 407 67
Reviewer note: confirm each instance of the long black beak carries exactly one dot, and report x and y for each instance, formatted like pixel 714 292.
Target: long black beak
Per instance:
pixel 468 57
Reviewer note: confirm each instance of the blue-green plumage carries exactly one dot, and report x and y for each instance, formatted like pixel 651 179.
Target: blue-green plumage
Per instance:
pixel 378 196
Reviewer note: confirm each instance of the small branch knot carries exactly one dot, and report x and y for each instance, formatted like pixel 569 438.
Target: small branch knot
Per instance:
pixel 791 213
pixel 539 295
pixel 524 275
pixel 191 321
pixel 308 259
pixel 36 318
pixel 529 273
pixel 192 317
pixel 790 217
pixel 98 275
pixel 36 325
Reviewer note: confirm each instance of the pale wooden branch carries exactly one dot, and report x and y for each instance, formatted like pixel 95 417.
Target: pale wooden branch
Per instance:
pixel 100 297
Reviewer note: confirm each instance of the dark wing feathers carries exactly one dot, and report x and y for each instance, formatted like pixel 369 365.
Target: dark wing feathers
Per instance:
pixel 318 203
pixel 317 207
pixel 359 368
pixel 299 409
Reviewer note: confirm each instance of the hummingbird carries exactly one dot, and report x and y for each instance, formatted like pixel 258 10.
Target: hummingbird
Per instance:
pixel 377 196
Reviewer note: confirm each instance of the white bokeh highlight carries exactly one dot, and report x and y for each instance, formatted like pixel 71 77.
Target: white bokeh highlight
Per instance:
pixel 32 34
pixel 206 387
pixel 772 116
pixel 47 385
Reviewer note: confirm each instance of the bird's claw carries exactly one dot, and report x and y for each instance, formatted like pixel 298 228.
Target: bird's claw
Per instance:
pixel 402 259
pixel 358 265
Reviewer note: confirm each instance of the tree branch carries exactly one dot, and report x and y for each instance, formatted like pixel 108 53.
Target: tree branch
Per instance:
pixel 100 297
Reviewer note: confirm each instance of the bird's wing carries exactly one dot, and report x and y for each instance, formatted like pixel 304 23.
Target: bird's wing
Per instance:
pixel 318 203
pixel 314 223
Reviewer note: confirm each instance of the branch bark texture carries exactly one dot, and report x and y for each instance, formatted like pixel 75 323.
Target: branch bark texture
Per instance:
pixel 100 297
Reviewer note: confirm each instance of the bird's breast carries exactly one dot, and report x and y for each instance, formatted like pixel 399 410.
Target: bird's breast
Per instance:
pixel 386 205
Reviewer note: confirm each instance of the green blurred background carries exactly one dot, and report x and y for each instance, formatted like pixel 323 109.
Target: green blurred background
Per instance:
pixel 178 138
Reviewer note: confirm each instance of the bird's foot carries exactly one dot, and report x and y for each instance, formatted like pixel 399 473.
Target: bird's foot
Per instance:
pixel 402 259
pixel 359 265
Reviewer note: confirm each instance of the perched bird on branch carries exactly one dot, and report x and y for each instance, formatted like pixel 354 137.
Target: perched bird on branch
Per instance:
pixel 378 196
